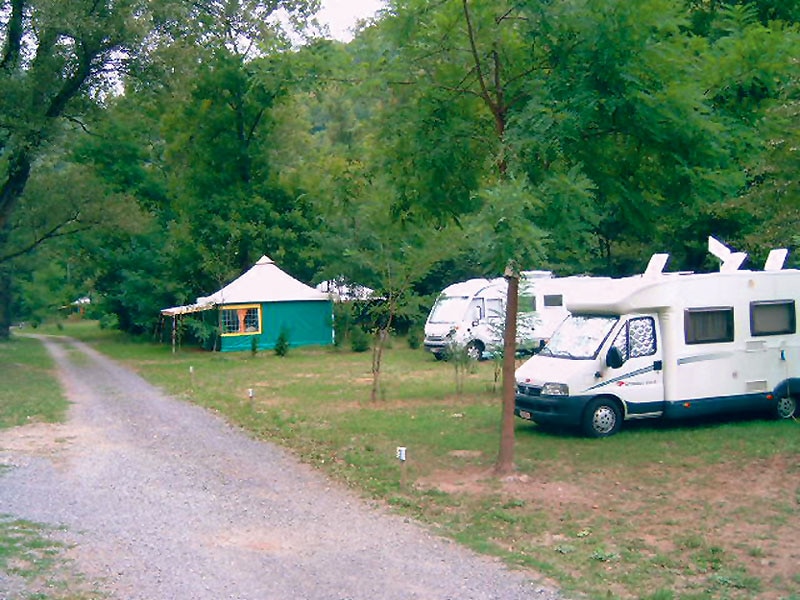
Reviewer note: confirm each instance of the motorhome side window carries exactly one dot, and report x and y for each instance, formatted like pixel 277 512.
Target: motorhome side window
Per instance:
pixel 553 300
pixel 494 309
pixel 637 338
pixel 708 325
pixel 476 310
pixel 527 303
pixel 773 318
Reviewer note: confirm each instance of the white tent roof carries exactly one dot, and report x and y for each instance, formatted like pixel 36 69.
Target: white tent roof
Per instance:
pixel 263 282
pixel 340 291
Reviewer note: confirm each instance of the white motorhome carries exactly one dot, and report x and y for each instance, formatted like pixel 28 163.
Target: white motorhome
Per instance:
pixel 673 345
pixel 471 314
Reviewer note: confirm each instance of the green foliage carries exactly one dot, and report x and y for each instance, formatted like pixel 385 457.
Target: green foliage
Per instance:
pixel 282 343
pixel 359 340
pixel 414 338
pixel 445 142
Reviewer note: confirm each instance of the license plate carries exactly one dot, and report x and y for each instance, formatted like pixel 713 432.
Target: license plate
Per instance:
pixel 525 414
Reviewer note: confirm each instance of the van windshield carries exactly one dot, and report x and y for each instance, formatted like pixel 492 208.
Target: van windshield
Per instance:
pixel 579 336
pixel 448 309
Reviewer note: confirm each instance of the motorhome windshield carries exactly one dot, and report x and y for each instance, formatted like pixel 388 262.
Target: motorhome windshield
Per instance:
pixel 448 309
pixel 579 336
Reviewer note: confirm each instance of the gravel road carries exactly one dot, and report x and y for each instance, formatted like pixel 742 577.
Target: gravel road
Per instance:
pixel 164 500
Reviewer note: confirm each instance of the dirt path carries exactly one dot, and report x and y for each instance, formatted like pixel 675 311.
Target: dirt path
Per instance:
pixel 164 500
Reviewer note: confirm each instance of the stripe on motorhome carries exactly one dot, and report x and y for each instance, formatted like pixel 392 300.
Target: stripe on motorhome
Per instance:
pixel 623 376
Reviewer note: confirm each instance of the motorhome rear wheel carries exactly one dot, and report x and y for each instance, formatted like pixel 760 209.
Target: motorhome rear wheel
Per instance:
pixel 786 407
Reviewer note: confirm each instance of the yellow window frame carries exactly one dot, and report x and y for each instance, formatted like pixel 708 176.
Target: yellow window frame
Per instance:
pixel 239 319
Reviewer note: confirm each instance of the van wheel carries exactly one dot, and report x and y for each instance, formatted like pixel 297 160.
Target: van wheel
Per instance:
pixel 601 418
pixel 474 350
pixel 786 407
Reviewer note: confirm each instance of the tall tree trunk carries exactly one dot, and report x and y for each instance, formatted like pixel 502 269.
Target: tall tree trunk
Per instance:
pixel 505 460
pixel 5 289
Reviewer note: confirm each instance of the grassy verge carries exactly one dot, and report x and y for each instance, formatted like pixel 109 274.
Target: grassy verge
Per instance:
pixel 661 512
pixel 30 391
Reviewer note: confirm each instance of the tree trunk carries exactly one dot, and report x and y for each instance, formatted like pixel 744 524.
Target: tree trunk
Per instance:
pixel 505 460
pixel 377 358
pixel 5 303
pixel 5 289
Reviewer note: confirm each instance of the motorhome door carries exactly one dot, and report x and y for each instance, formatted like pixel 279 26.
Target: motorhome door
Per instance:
pixel 639 380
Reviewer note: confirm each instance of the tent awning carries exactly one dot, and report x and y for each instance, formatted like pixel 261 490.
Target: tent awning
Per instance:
pixel 189 308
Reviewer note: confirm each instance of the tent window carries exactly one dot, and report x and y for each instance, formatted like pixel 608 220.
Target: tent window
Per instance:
pixel 241 320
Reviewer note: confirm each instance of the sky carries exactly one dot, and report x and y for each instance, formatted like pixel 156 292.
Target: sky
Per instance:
pixel 341 15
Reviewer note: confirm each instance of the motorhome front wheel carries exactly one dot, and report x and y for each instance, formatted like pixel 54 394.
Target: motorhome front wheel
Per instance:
pixel 475 350
pixel 601 418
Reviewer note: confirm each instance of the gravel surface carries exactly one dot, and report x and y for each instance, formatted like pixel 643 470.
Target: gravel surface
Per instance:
pixel 164 500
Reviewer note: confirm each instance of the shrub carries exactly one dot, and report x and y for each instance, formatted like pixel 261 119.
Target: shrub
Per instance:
pixel 282 343
pixel 359 340
pixel 414 339
pixel 253 345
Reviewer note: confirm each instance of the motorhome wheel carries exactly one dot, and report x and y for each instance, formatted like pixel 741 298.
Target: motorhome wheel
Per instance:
pixel 601 418
pixel 475 350
pixel 786 407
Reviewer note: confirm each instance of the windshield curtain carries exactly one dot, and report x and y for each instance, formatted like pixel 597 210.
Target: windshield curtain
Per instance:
pixel 580 336
pixel 449 309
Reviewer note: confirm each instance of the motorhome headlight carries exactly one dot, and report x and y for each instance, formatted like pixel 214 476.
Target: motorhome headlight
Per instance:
pixel 555 389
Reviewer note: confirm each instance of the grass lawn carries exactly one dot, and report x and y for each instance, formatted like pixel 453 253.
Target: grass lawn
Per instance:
pixel 659 512
pixel 30 392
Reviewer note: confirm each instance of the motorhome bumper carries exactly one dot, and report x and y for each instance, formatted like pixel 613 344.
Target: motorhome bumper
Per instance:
pixel 436 347
pixel 551 410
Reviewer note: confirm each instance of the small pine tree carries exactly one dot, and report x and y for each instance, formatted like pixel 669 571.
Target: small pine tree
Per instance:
pixel 282 343
pixel 253 345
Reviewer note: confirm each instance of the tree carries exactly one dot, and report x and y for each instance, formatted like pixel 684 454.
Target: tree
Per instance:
pixel 54 56
pixel 62 61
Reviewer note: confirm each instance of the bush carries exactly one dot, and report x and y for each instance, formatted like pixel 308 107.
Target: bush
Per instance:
pixel 342 322
pixel 253 345
pixel 359 340
pixel 282 343
pixel 109 321
pixel 414 339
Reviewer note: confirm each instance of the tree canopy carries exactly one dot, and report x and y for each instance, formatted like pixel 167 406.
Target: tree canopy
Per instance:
pixel 151 151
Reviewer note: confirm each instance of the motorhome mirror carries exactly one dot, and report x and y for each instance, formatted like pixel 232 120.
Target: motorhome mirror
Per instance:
pixel 614 358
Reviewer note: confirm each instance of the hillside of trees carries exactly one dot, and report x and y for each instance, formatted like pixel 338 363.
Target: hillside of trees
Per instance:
pixel 152 150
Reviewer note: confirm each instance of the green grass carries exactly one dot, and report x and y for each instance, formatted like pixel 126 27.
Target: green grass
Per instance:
pixel 31 555
pixel 30 391
pixel 639 513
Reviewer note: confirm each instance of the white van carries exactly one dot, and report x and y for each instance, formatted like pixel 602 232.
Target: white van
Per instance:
pixel 471 314
pixel 673 345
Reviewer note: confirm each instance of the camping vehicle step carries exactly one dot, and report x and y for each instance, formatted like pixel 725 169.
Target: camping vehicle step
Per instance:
pixel 670 345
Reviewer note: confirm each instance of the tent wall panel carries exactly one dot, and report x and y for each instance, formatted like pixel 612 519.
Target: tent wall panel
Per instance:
pixel 306 322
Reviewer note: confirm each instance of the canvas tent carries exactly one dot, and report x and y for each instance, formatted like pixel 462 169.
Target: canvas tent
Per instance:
pixel 263 302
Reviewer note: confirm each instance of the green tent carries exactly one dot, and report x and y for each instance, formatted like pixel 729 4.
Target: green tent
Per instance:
pixel 262 303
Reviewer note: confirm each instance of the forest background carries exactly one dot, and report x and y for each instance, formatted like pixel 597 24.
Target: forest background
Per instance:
pixel 153 150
